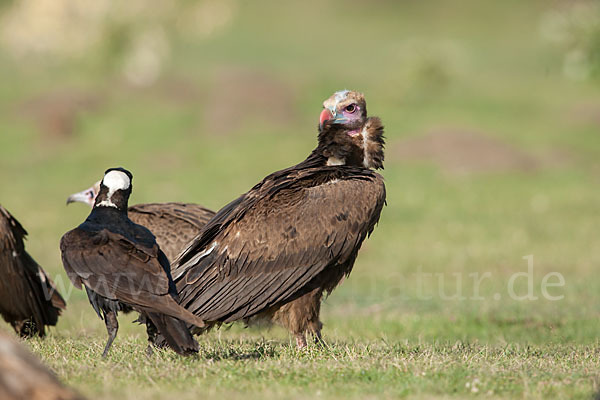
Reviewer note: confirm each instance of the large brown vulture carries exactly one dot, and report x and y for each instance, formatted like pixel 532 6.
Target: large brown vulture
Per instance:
pixel 23 376
pixel 123 269
pixel 28 299
pixel 295 234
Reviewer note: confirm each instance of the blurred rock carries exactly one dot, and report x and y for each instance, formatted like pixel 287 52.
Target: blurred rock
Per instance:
pixel 23 376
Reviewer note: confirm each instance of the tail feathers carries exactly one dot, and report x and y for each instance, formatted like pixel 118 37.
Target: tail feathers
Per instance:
pixel 175 333
pixel 168 304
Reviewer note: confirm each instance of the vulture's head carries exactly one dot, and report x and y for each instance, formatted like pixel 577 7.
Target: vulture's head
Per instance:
pixel 115 189
pixel 87 196
pixel 346 135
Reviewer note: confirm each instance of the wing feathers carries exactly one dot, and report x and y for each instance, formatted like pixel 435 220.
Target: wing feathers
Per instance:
pixel 26 291
pixel 263 249
pixel 118 269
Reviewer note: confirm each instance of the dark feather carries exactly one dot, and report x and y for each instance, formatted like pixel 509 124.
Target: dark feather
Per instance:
pixel 173 224
pixel 29 300
pixel 97 259
pixel 175 332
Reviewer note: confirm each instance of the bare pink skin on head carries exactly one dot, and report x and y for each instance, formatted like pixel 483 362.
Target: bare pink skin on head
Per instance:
pixel 343 107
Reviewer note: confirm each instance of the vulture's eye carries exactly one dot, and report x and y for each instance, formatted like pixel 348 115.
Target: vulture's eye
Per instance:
pixel 351 108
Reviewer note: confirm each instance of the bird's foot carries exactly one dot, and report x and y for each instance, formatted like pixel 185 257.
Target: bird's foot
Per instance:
pixel 301 341
pixel 319 340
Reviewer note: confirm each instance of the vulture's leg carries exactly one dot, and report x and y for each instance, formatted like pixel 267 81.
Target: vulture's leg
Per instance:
pixel 301 340
pixel 316 331
pixel 17 326
pixel 317 337
pixel 152 334
pixel 112 326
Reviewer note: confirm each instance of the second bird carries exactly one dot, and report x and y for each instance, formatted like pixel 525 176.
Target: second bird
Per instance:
pixel 123 269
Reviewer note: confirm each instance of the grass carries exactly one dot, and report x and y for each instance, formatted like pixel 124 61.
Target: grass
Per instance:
pixel 410 321
pixel 253 367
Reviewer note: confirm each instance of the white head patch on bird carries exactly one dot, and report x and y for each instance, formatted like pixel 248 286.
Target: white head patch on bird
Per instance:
pixel 116 180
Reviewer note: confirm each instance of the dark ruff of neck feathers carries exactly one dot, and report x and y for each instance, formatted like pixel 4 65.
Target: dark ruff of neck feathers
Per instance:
pixel 360 151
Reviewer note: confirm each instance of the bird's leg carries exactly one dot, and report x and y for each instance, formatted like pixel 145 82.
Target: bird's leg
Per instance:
pixel 317 337
pixel 112 326
pixel 301 340
pixel 152 333
pixel 317 332
pixel 18 327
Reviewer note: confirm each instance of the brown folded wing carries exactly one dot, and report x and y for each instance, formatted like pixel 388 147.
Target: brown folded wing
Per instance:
pixel 118 269
pixel 173 224
pixel 265 247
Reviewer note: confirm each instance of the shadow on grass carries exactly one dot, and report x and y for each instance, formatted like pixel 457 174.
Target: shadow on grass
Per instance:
pixel 237 351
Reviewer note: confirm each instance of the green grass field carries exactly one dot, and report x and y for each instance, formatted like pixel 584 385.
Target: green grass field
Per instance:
pixel 492 156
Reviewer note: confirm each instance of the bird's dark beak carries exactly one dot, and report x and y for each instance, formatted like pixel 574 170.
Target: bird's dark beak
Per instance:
pixel 86 196
pixel 325 116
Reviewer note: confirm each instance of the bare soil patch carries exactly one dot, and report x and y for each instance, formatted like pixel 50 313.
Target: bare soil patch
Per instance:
pixel 240 95
pixel 462 151
pixel 56 112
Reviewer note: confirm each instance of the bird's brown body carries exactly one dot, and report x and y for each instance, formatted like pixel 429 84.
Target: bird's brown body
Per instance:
pixel 23 376
pixel 28 298
pixel 275 251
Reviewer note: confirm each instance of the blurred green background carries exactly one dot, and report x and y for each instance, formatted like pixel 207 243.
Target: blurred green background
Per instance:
pixel 492 115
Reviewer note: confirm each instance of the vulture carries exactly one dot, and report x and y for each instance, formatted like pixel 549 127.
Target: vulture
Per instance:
pixel 123 269
pixel 29 300
pixel 23 376
pixel 277 249
pixel 173 224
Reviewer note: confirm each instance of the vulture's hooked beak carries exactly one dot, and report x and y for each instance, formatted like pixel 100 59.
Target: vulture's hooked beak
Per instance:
pixel 86 196
pixel 327 115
